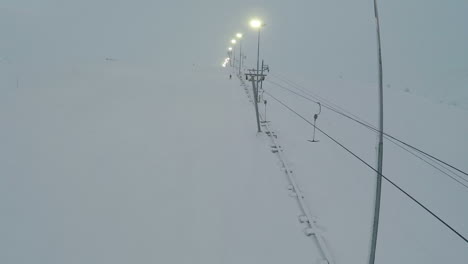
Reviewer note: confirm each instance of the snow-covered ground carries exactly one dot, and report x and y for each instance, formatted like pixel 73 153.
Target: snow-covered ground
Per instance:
pixel 122 142
pixel 340 188
pixel 97 167
pixel 113 163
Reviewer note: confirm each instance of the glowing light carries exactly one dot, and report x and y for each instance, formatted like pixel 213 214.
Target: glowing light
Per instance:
pixel 256 23
pixel 233 41
pixel 239 35
pixel 230 48
pixel 226 61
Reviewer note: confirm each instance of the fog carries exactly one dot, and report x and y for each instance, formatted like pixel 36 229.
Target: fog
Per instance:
pixel 92 90
pixel 424 42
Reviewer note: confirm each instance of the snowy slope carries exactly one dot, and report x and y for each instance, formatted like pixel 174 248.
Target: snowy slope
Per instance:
pixel 112 163
pixel 340 189
pixel 119 144
pixel 101 168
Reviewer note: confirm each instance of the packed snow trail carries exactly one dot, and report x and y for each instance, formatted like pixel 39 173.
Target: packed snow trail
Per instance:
pixel 310 221
pixel 118 163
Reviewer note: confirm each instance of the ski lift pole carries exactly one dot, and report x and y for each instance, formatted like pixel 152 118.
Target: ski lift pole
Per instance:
pixel 264 68
pixel 378 185
pixel 261 82
pixel 254 79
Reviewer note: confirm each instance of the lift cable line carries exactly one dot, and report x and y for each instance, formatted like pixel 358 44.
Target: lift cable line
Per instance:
pixel 366 124
pixel 303 89
pixel 372 168
pixel 319 98
pixel 254 78
pixel 389 138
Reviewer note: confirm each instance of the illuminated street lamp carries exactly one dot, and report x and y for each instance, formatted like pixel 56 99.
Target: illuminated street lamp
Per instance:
pixel 257 24
pixel 239 36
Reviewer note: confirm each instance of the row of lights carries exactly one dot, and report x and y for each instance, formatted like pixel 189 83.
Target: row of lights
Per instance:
pixel 226 61
pixel 255 24
pixel 230 49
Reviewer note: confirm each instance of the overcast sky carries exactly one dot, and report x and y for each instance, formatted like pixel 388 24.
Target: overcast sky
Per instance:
pixel 424 42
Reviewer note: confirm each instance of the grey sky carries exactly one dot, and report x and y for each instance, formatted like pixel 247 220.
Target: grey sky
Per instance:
pixel 424 42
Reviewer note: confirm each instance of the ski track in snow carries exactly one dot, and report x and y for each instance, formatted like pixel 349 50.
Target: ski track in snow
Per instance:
pixel 306 218
pixel 340 188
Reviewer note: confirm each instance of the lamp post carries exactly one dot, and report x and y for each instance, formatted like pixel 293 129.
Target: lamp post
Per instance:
pixel 230 55
pixel 239 36
pixel 257 24
pixel 233 41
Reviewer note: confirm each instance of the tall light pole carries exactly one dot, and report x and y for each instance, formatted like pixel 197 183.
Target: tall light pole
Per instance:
pixel 230 55
pixel 378 191
pixel 233 41
pixel 239 36
pixel 257 24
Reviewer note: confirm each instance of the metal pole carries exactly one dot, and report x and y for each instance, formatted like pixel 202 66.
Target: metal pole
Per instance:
pixel 261 82
pixel 255 91
pixel 234 57
pixel 256 86
pixel 258 53
pixel 378 191
pixel 240 55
